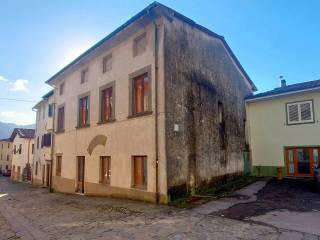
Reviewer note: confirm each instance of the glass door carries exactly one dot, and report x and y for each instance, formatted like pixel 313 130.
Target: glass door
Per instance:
pixel 301 161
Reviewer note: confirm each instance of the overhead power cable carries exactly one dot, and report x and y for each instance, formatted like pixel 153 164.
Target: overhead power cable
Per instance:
pixel 17 100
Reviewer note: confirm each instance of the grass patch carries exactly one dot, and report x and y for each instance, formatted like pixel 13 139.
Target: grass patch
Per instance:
pixel 206 193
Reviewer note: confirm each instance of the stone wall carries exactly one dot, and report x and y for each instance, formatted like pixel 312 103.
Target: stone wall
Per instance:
pixel 199 75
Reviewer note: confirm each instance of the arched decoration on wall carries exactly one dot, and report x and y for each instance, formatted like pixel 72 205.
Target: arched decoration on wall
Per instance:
pixel 97 140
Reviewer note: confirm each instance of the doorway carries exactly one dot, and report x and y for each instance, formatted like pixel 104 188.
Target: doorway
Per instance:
pixel 80 174
pixel 47 175
pixel 43 174
pixel 301 161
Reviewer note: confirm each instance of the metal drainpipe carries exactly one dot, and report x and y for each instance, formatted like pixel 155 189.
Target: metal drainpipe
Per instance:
pixel 156 108
pixel 52 141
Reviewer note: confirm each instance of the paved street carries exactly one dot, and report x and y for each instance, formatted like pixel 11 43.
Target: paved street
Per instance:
pixel 27 212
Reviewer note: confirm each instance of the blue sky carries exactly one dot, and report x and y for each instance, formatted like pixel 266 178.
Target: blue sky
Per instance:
pixel 38 38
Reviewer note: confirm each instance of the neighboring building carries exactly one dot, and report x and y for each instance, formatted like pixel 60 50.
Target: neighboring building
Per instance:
pixel 6 151
pixel 43 141
pixel 154 109
pixel 23 148
pixel 284 130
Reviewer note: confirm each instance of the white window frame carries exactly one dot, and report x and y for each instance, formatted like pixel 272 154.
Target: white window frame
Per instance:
pixel 299 112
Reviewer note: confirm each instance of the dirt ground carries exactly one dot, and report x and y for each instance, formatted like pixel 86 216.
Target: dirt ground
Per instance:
pixel 287 194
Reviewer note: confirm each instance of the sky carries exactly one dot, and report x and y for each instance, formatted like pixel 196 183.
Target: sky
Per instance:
pixel 38 38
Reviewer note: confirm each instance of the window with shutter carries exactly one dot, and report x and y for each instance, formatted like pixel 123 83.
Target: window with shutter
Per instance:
pixel 140 171
pixel 107 104
pixel 300 112
pixel 83 112
pixel 139 44
pixel 107 63
pixel 84 76
pixel 60 127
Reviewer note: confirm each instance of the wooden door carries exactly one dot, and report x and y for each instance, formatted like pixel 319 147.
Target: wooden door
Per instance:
pixel 43 173
pixel 47 174
pixel 80 174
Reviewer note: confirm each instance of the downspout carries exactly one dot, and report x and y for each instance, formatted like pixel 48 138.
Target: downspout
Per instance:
pixel 156 108
pixel 52 140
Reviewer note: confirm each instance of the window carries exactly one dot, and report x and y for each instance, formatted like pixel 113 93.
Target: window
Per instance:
pixel 8 158
pixel 300 112
pixel 50 110
pixel 32 149
pixel 8 145
pixel 105 169
pixel 107 63
pixel 7 167
pixel 84 76
pixel 58 165
pixel 13 168
pixel 38 142
pixel 139 44
pixel 36 168
pixel 141 94
pixel 15 149
pixel 42 141
pixel 20 148
pixel 60 127
pixel 140 171
pixel 222 126
pixel 107 105
pixel 61 89
pixel 83 112
pixel 46 140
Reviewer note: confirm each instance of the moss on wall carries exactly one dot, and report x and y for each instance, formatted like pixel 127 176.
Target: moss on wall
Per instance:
pixel 267 171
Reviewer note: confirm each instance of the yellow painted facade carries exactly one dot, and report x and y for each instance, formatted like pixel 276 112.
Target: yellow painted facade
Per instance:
pixel 269 132
pixel 5 154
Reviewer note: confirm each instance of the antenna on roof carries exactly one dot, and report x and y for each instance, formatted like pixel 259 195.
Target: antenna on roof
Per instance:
pixel 283 82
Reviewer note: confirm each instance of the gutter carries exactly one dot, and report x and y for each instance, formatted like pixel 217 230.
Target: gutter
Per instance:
pixel 156 108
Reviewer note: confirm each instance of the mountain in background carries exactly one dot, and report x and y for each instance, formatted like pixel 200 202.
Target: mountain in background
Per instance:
pixel 7 128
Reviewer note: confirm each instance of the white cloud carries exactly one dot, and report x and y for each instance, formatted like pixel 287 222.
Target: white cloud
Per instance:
pixel 3 79
pixel 21 118
pixel 20 85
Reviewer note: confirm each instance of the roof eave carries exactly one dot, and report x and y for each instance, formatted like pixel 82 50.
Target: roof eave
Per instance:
pixel 255 99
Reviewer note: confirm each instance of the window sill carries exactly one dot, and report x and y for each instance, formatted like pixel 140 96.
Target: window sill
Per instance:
pixel 60 131
pixel 140 114
pixel 141 188
pixel 299 123
pixel 81 127
pixel 105 183
pixel 106 122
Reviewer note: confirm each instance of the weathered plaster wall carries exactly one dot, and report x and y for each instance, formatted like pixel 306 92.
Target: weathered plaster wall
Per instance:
pixel 5 150
pixel 199 73
pixel 22 159
pixel 126 137
pixel 44 124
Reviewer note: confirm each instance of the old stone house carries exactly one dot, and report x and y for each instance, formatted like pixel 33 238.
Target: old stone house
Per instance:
pixel 41 164
pixel 23 148
pixel 153 109
pixel 283 126
pixel 6 151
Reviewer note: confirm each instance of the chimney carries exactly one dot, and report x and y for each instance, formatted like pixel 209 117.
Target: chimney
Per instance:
pixel 283 82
